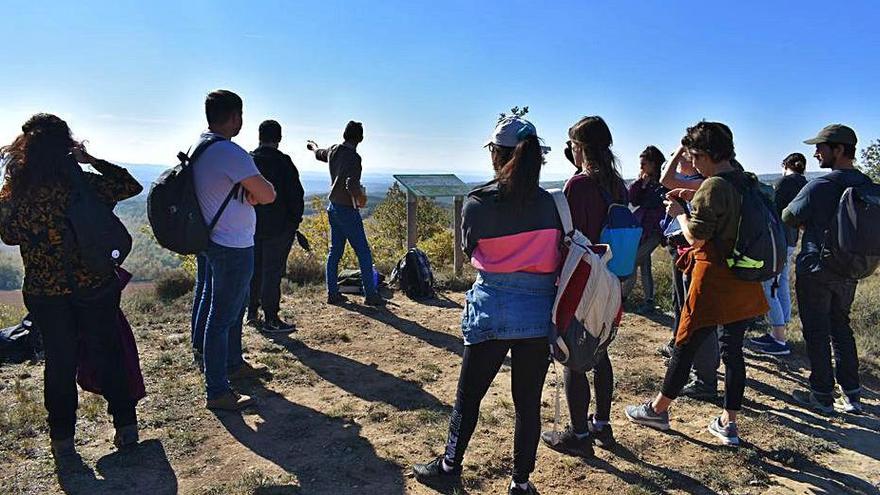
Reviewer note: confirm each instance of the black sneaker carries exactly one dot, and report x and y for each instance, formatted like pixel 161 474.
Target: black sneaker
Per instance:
pixel 375 300
pixel 434 470
pixel 699 391
pixel 567 442
pixel 276 325
pixel 528 490
pixel 603 437
pixel 665 350
pixel 336 299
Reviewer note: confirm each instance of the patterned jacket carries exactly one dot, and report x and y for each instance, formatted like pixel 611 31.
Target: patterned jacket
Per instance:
pixel 35 220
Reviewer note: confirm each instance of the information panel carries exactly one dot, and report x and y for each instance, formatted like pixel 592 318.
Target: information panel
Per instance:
pixel 433 185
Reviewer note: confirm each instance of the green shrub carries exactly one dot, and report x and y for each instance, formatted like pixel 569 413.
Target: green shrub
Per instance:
pixel 173 284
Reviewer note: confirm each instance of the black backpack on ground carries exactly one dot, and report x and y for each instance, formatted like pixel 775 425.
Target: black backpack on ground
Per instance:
pixel 20 343
pixel 761 247
pixel 413 274
pixel 173 208
pixel 852 242
pixel 99 237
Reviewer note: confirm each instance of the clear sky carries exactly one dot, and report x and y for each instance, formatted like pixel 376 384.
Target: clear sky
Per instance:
pixel 429 78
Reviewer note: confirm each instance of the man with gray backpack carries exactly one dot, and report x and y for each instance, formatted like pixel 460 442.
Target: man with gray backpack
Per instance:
pixel 840 216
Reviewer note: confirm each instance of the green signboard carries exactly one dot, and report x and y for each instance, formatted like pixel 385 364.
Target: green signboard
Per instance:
pixel 433 185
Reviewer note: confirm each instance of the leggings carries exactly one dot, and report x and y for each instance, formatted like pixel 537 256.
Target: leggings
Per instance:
pixel 731 339
pixel 577 393
pixel 529 362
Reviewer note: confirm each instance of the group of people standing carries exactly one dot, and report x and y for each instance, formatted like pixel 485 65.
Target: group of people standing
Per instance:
pixel 510 230
pixel 512 233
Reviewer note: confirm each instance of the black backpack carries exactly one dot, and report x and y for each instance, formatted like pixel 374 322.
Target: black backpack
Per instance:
pixel 413 273
pixel 761 247
pixel 173 208
pixel 852 244
pixel 21 342
pixel 99 237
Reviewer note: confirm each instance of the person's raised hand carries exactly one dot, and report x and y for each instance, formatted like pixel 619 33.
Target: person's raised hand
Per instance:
pixel 81 155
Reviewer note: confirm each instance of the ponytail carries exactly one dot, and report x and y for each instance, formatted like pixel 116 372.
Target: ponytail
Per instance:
pixel 518 178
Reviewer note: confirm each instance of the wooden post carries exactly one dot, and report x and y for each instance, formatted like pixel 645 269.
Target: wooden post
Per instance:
pixel 457 253
pixel 411 225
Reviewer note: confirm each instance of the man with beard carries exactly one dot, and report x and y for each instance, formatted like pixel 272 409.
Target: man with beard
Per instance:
pixel 825 297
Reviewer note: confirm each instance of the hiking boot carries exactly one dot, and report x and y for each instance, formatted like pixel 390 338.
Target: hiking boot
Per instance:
pixel 846 404
pixel 230 401
pixel 62 449
pixel 246 371
pixel 528 490
pixel 648 307
pixel 375 300
pixel 729 435
pixel 808 400
pixel 699 391
pixel 603 436
pixel 252 320
pixel 126 436
pixel 277 325
pixel 645 415
pixel 568 442
pixel 336 299
pixel 434 470
pixel 665 350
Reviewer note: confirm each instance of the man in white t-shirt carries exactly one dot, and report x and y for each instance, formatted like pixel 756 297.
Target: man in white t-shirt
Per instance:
pixel 227 182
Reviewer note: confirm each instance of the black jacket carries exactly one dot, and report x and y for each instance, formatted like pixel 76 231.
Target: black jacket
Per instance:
pixel 285 214
pixel 786 189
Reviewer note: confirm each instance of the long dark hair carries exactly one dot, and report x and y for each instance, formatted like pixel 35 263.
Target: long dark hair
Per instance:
pixel 39 156
pixel 518 178
pixel 594 137
pixel 654 155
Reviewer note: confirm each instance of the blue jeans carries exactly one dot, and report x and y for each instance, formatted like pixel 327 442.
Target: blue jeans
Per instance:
pixel 227 275
pixel 346 225
pixel 780 303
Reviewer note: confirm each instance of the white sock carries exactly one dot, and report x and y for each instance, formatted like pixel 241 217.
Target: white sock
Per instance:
pixel 521 486
pixel 599 424
pixel 446 467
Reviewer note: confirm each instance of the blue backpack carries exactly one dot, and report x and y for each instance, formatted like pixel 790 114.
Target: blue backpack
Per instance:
pixel 623 232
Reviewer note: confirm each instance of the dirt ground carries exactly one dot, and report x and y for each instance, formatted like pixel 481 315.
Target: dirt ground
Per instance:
pixel 357 395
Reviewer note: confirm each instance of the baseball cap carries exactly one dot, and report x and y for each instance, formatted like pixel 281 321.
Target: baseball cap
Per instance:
pixel 834 133
pixel 511 130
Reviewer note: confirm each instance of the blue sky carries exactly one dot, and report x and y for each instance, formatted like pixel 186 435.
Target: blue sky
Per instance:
pixel 429 78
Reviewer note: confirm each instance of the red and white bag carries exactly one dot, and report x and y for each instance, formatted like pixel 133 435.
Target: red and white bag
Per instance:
pixel 588 306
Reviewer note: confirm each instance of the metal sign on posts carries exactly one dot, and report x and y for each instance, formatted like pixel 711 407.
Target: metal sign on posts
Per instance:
pixel 434 186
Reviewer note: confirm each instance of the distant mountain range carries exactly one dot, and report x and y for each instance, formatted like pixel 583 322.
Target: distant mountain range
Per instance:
pixel 376 183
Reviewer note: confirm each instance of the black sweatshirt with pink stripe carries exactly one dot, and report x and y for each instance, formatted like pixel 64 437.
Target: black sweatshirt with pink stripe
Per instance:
pixel 501 237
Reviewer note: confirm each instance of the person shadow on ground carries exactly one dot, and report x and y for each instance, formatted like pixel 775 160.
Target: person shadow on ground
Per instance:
pixel 327 455
pixel 136 470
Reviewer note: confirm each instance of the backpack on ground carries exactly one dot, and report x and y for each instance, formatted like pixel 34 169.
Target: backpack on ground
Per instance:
pixel 99 237
pixel 350 282
pixel 852 242
pixel 173 208
pixel 761 247
pixel 588 307
pixel 20 343
pixel 413 274
pixel 623 232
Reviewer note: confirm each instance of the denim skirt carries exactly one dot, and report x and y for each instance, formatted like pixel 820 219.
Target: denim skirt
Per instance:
pixel 505 306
